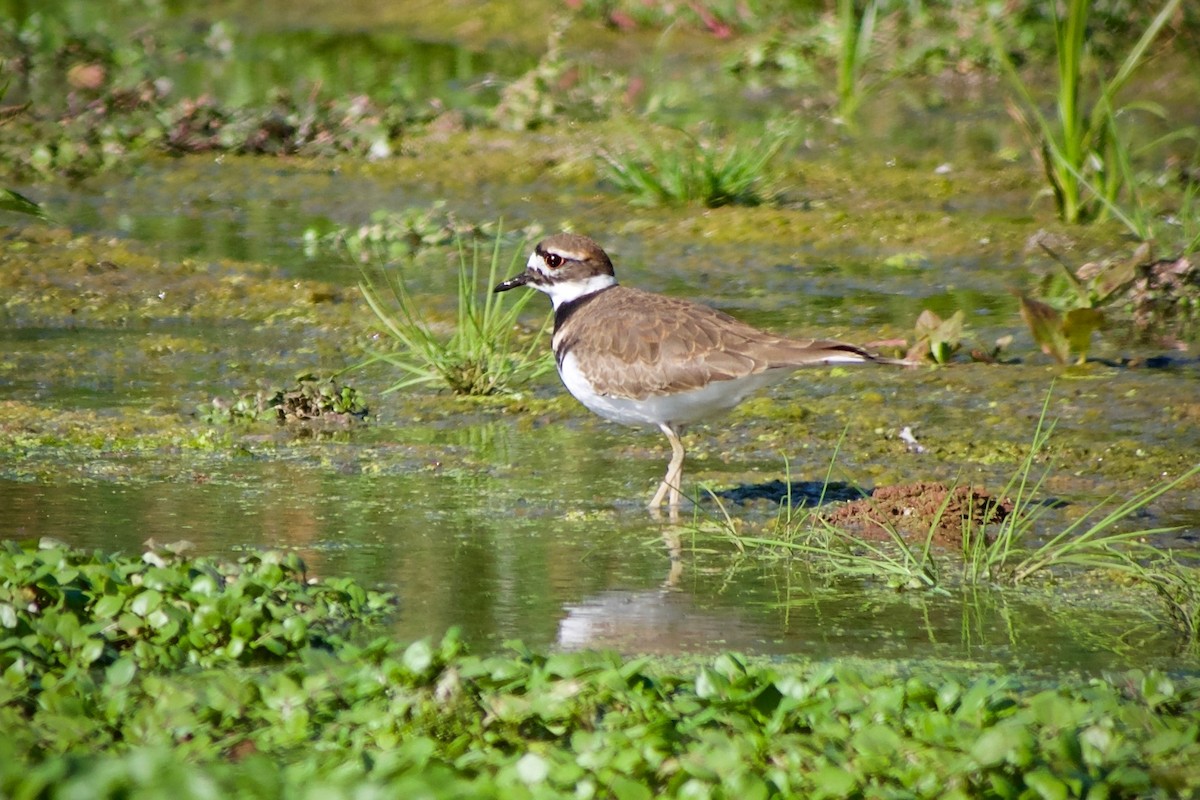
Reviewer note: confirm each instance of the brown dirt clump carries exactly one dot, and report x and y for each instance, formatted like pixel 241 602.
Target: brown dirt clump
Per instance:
pixel 912 509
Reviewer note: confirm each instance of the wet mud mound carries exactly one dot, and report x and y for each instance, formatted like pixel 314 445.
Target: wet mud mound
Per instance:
pixel 912 509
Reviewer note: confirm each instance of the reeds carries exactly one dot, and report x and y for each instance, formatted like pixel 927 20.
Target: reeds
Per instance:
pixel 1082 153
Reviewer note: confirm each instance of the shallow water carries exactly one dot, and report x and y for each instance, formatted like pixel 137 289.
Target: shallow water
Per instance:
pixel 503 563
pixel 539 534
pixel 528 523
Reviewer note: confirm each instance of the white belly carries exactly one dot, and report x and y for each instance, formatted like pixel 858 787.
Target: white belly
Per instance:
pixel 678 409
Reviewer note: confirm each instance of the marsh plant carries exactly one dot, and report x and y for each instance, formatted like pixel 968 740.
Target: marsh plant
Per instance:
pixel 1101 537
pixel 1153 295
pixel 1001 548
pixel 937 339
pixel 1081 150
pixel 486 351
pixel 1071 303
pixel 558 87
pixel 800 529
pixel 711 171
pixel 171 676
pixel 856 35
pixel 310 399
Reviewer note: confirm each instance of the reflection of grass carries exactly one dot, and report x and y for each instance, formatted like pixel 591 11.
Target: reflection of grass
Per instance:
pixel 482 355
pixel 710 172
pixel 1178 586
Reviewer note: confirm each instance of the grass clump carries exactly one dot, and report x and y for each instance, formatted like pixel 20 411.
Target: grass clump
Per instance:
pixel 1084 157
pixel 706 171
pixel 483 354
pixel 1095 539
pixel 856 31
pixel 1003 540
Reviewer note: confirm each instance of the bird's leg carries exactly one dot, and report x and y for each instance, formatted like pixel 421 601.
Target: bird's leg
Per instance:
pixel 670 482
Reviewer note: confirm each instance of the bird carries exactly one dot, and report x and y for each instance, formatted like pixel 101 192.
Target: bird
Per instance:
pixel 639 358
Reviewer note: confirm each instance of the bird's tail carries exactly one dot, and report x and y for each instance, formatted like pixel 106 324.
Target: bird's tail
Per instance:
pixel 834 352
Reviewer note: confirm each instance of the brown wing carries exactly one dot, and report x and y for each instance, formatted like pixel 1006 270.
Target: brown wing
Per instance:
pixel 642 344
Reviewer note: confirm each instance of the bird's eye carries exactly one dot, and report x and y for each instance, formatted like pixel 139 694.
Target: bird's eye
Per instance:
pixel 553 260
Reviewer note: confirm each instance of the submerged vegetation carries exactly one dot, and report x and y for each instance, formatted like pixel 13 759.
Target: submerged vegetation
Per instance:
pixel 310 400
pixel 272 710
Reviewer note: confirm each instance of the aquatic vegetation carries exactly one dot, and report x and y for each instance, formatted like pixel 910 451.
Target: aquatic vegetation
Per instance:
pixel 556 88
pixel 1178 586
pixel 1098 538
pixel 1064 336
pixel 314 399
pixel 396 235
pixel 310 400
pixel 1071 304
pixel 719 18
pixel 66 612
pixel 704 170
pixel 1165 295
pixel 1081 149
pixel 1157 296
pixel 429 718
pixel 856 33
pixel 391 235
pixel 482 355
pixel 937 339
pixel 1002 537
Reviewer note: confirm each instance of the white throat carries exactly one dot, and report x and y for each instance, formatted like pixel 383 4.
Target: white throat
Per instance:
pixel 565 291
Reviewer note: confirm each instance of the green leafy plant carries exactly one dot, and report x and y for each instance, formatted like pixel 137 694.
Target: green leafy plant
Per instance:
pixel 1062 335
pixel 707 171
pixel 314 399
pixel 390 235
pixel 1071 305
pixel 64 609
pixel 96 701
pixel 1080 149
pixel 482 355
pixel 937 339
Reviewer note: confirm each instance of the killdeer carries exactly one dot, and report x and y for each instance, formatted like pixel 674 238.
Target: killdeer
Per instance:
pixel 640 358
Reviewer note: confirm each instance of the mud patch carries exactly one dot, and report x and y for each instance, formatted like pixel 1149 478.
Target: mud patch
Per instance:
pixel 913 509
